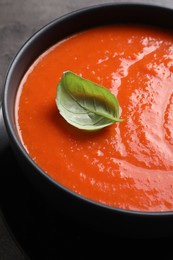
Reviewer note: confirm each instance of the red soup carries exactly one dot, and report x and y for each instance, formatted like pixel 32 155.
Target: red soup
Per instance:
pixel 127 165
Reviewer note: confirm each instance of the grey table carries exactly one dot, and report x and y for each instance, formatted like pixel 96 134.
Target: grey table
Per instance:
pixel 19 19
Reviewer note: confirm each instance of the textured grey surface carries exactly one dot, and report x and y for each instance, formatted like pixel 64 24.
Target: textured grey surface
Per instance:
pixel 19 19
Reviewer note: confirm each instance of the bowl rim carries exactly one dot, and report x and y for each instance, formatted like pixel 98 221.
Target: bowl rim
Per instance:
pixel 13 135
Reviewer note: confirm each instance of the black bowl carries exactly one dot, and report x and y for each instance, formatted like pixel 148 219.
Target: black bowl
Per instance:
pixel 108 219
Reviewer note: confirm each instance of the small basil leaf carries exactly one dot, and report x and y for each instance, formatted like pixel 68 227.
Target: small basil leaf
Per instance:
pixel 84 104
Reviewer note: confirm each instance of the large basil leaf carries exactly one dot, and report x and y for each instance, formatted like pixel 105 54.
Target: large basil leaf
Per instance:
pixel 84 104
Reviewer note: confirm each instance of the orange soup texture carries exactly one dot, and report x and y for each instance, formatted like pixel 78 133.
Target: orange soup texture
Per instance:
pixel 127 165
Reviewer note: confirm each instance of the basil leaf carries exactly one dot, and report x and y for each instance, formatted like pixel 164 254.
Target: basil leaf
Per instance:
pixel 84 104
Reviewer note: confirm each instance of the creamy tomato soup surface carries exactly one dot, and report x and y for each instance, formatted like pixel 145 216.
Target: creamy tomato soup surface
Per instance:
pixel 128 165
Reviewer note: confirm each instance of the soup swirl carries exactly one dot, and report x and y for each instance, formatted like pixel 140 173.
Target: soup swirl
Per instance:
pixel 127 165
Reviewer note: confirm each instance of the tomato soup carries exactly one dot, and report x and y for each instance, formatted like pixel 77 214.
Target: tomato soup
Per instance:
pixel 128 165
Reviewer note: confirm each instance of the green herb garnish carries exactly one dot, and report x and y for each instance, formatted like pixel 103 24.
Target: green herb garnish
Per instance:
pixel 84 104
